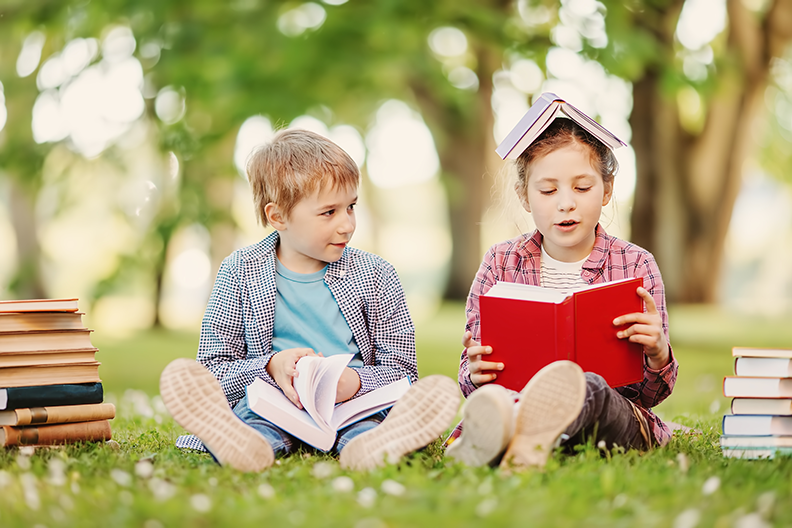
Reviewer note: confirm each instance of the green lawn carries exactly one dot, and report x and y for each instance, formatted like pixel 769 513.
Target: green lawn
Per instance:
pixel 144 481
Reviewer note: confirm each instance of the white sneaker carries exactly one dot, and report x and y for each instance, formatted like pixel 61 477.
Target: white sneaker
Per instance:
pixel 418 418
pixel 487 426
pixel 196 401
pixel 550 401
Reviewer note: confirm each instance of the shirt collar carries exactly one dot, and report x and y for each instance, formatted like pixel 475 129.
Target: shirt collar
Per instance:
pixel 596 260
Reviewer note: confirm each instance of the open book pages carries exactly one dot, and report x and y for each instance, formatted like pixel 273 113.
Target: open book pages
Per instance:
pixel 529 292
pixel 548 107
pixel 316 385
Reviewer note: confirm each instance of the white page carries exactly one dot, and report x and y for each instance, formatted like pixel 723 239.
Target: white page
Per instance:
pixel 3 398
pixel 369 403
pixel 529 292
pixel 317 384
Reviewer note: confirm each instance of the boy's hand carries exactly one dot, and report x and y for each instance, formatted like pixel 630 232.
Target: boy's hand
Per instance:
pixel 283 369
pixel 475 364
pixel 348 385
pixel 647 330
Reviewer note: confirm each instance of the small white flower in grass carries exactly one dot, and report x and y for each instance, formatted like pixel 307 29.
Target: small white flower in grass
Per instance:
pixel 75 487
pixel 752 520
pixel 162 489
pixel 201 503
pixel 366 497
pixel 683 462
pixel 5 479
pixel 112 444
pixel 213 481
pixel 66 502
pixel 121 477
pixel 343 484
pixel 57 472
pixel 126 497
pixel 322 470
pixel 486 507
pixel 266 491
pixel 152 523
pixel 144 469
pixel 391 487
pixel 30 492
pixel 27 451
pixel 602 446
pixel 765 503
pixel 619 500
pixel 710 486
pixel 688 518
pixel 23 462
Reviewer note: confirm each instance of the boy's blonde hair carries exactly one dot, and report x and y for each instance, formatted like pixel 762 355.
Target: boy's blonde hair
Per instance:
pixel 295 164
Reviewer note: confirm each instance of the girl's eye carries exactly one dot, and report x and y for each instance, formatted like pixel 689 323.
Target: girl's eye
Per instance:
pixel 584 189
pixel 547 192
pixel 329 213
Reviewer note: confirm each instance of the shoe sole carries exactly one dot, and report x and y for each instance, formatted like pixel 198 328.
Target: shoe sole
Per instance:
pixel 196 401
pixel 418 418
pixel 550 401
pixel 487 419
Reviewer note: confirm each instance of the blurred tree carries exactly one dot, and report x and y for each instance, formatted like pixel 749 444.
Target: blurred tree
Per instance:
pixel 692 130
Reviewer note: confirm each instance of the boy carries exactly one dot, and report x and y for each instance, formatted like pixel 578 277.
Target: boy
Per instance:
pixel 299 292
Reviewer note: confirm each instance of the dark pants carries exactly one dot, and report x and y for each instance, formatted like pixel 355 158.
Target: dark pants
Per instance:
pixel 610 417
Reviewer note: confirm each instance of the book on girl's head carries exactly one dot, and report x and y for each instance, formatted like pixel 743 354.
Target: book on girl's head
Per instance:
pixel 544 110
pixel 320 419
pixel 529 327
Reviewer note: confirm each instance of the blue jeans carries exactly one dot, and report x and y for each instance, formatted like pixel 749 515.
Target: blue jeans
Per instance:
pixel 283 443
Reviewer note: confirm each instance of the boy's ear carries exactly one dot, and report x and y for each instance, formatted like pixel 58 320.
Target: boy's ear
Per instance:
pixel 275 216
pixel 606 198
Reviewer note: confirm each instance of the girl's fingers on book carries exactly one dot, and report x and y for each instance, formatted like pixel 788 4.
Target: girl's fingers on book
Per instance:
pixel 467 340
pixel 651 306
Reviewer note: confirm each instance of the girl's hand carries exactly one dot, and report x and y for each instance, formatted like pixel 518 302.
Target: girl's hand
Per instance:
pixel 647 330
pixel 283 369
pixel 475 352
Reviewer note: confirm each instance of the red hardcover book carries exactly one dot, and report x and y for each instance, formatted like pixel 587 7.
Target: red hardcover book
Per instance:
pixel 529 327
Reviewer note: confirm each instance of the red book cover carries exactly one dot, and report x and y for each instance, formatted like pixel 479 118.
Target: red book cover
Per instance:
pixel 530 327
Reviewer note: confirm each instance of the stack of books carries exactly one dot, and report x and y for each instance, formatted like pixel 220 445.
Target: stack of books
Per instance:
pixel 50 391
pixel 760 425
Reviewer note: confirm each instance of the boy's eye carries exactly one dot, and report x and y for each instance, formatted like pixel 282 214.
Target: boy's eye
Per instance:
pixel 352 207
pixel 329 213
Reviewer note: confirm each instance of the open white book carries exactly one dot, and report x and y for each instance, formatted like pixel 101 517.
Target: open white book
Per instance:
pixel 320 419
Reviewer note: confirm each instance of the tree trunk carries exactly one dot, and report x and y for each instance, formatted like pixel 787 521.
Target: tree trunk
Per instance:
pixel 27 283
pixel 687 184
pixel 466 149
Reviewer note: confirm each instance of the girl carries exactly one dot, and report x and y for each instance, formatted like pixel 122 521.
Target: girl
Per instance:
pixel 564 178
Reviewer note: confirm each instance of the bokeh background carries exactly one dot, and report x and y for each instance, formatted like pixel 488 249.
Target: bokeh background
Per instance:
pixel 125 125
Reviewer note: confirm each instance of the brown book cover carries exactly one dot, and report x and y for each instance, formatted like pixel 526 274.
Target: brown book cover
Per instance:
pixel 45 340
pixel 39 305
pixel 47 357
pixel 49 374
pixel 58 414
pixel 16 322
pixel 69 433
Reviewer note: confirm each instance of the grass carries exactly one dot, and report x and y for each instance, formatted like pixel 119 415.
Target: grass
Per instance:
pixel 142 480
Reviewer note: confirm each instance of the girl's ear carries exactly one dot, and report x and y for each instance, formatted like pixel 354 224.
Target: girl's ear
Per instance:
pixel 274 216
pixel 606 198
pixel 522 196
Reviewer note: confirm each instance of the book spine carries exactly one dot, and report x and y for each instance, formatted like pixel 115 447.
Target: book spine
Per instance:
pixel 57 434
pixel 565 330
pixel 47 395
pixel 65 414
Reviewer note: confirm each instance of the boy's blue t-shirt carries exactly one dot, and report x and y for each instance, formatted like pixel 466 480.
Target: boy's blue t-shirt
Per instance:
pixel 307 315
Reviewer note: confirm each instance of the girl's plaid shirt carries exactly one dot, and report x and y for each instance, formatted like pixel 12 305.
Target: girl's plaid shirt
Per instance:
pixel 236 332
pixel 519 259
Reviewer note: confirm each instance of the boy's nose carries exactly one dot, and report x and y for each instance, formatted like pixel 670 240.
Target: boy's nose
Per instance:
pixel 347 225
